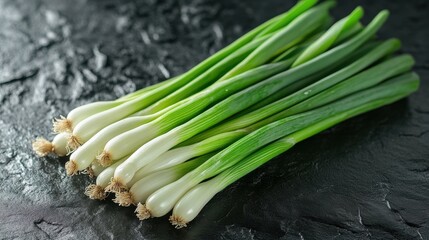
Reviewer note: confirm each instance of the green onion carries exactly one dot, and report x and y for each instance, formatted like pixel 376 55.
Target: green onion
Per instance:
pixel 311 79
pixel 91 125
pixel 348 33
pixel 285 19
pixel 43 147
pixel 188 207
pixel 163 200
pixel 179 155
pixel 152 182
pixel 325 41
pixel 301 26
pixel 97 191
pixel 363 80
pixel 87 153
pixel 179 142
pixel 237 102
pixel 96 168
pixel 379 52
pixel 373 76
pixel 206 78
pixel 79 114
pixel 130 141
pixel 114 147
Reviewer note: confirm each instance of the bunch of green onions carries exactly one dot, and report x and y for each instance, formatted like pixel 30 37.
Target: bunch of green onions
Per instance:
pixel 174 145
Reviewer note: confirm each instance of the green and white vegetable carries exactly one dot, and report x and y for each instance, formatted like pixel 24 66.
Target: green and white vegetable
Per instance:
pixel 88 127
pixel 97 191
pixel 178 143
pixel 162 201
pixel 130 141
pixel 239 101
pixel 148 184
pixel 188 207
pixel 77 115
pixel 43 147
pixel 179 155
pixel 88 152
pixel 261 113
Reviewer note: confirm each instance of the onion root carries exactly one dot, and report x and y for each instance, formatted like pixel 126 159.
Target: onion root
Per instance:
pixel 61 124
pixel 177 221
pixel 116 186
pixel 95 192
pixel 142 212
pixel 42 147
pixel 73 143
pixel 104 159
pixel 71 168
pixel 124 199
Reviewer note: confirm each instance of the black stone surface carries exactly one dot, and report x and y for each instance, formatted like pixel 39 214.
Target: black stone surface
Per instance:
pixel 367 178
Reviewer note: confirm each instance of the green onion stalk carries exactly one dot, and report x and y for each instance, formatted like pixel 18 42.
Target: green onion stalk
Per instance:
pixel 129 141
pixel 83 158
pixel 82 133
pixel 86 154
pixel 305 93
pixel 58 146
pixel 284 38
pixel 164 199
pixel 306 23
pixel 371 77
pixel 284 92
pixel 148 184
pixel 115 149
pixel 182 154
pixel 77 115
pixel 96 191
pixel 365 79
pixel 237 102
pixel 138 127
pixel 217 64
pixel 96 168
pixel 189 205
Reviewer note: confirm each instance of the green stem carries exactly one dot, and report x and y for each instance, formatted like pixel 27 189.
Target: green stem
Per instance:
pixel 265 154
pixel 394 89
pixel 288 17
pixel 206 78
pixel 270 86
pixel 191 203
pixel 301 26
pixel 329 38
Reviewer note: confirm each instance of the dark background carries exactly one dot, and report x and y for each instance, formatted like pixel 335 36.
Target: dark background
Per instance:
pixel 367 178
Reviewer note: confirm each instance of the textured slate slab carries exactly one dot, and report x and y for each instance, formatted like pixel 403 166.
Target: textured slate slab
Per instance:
pixel 365 179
